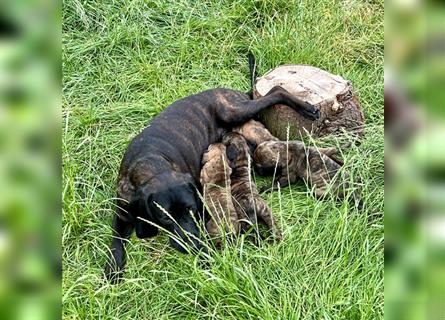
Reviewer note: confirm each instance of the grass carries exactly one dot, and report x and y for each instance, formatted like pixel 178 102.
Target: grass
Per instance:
pixel 123 62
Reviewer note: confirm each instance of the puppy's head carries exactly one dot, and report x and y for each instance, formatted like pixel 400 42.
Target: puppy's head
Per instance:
pixel 213 153
pixel 170 201
pixel 215 165
pixel 267 156
pixel 236 148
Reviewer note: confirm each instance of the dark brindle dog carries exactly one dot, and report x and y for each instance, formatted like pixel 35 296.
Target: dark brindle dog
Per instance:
pixel 161 167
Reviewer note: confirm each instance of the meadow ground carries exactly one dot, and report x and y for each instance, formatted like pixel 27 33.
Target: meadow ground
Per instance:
pixel 123 62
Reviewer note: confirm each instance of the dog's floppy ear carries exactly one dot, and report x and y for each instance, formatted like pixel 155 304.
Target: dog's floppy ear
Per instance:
pixel 143 209
pixel 191 184
pixel 190 181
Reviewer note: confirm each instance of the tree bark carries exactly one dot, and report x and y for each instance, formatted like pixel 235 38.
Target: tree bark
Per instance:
pixel 331 94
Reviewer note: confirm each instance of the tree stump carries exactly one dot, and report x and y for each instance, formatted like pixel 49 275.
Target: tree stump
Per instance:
pixel 331 94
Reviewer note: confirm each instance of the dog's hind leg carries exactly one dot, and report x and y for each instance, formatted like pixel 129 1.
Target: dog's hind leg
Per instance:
pixel 235 112
pixel 122 231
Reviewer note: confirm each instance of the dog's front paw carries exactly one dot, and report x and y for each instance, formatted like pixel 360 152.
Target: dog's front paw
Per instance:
pixel 114 269
pixel 309 111
pixel 113 273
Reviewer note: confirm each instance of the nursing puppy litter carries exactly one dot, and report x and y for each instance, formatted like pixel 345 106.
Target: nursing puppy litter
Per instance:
pixel 215 180
pixel 248 203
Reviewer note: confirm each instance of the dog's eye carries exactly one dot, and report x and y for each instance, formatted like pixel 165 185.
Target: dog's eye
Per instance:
pixel 188 209
pixel 191 208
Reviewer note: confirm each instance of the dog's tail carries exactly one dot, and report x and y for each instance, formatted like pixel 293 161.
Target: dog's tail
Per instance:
pixel 252 70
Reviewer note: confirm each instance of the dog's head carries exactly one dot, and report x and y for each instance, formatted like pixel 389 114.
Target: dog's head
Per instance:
pixel 170 201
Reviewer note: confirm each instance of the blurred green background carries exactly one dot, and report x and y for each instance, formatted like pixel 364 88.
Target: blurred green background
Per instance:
pixel 30 218
pixel 414 160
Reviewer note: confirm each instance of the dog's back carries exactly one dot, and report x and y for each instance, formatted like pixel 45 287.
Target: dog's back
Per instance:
pixel 181 133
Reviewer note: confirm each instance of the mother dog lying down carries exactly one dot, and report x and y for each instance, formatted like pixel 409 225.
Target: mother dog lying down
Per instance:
pixel 160 169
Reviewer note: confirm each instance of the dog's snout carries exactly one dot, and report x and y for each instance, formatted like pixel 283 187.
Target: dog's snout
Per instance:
pixel 186 236
pixel 187 243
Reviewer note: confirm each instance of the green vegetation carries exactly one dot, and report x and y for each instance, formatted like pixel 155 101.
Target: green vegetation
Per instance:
pixel 123 62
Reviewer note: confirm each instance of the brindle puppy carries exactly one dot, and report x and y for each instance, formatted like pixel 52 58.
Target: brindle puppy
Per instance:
pixel 255 133
pixel 215 181
pixel 294 160
pixel 248 203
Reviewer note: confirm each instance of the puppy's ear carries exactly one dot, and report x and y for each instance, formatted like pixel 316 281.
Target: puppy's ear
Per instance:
pixel 252 146
pixel 144 212
pixel 231 153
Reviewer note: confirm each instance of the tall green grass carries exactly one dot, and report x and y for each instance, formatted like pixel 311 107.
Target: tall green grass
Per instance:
pixel 123 62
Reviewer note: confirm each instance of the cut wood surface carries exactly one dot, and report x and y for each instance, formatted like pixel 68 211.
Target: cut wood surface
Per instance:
pixel 331 94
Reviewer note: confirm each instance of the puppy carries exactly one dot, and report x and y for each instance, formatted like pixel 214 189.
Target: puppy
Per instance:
pixel 255 133
pixel 294 160
pixel 215 180
pixel 248 203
